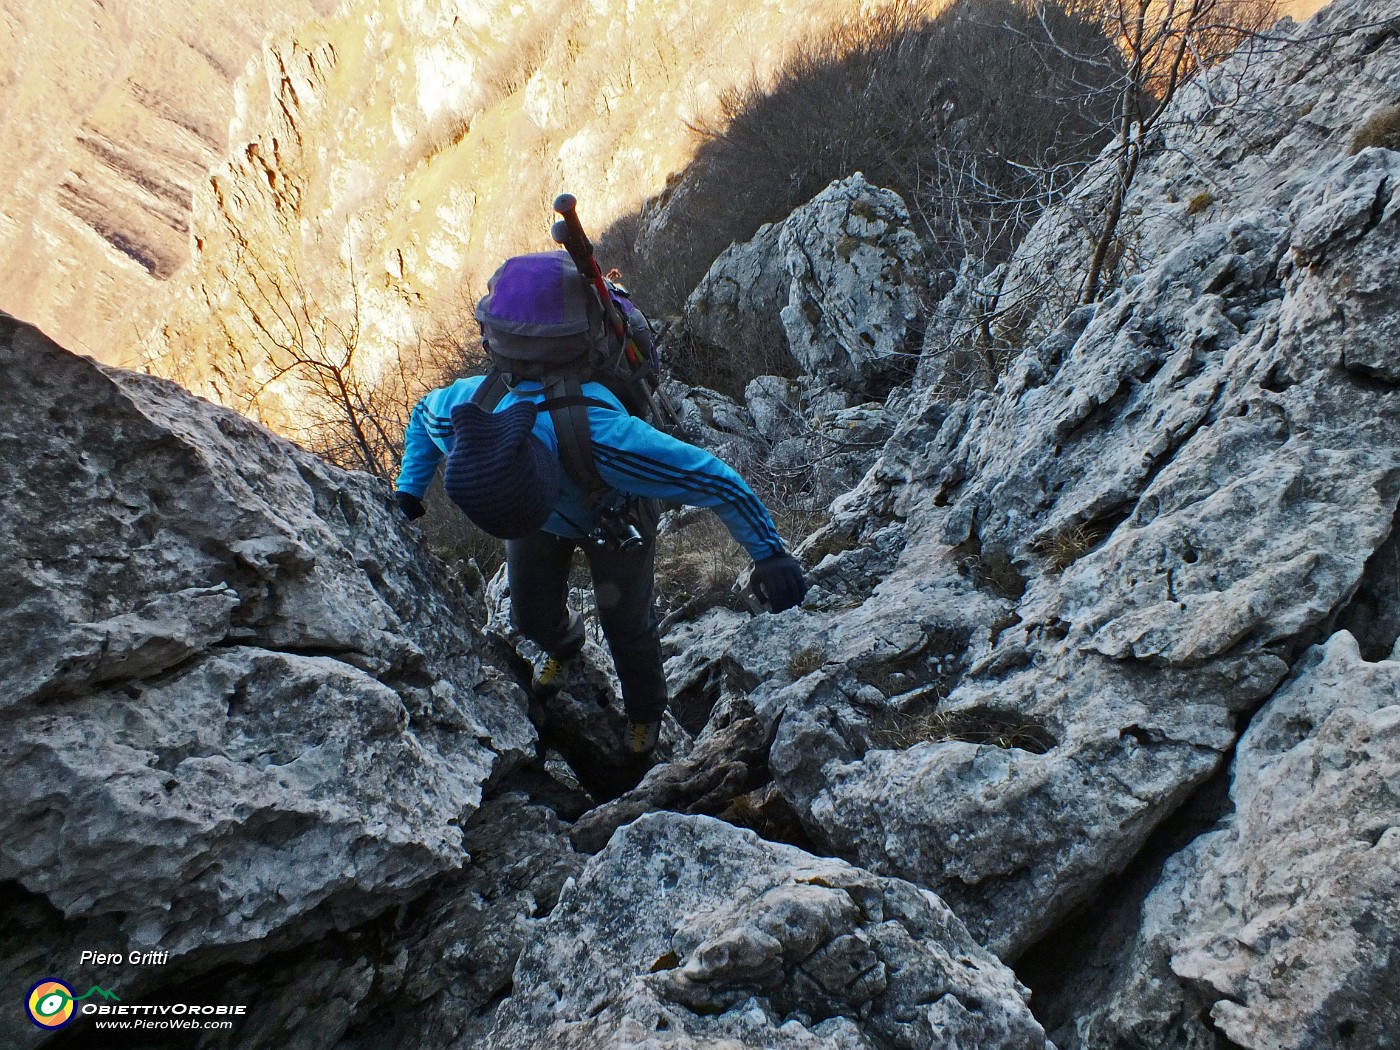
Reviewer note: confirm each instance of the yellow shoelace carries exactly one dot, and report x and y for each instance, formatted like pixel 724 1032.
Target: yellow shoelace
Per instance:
pixel 553 668
pixel 642 737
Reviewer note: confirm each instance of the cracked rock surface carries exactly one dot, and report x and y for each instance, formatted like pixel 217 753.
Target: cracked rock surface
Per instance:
pixel 1041 620
pixel 1065 609
pixel 1279 929
pixel 835 291
pixel 238 709
pixel 749 943
pixel 1183 501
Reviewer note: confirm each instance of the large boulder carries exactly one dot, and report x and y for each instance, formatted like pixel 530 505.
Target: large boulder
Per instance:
pixel 1281 930
pixel 839 285
pixel 734 311
pixel 241 703
pixel 687 932
pixel 835 292
pixel 857 279
pixel 427 975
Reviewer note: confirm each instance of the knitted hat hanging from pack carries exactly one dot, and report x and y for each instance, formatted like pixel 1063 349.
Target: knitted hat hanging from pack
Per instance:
pixel 499 473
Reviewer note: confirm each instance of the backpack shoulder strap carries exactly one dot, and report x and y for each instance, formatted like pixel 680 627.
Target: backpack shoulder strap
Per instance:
pixel 492 389
pixel 568 411
pixel 568 407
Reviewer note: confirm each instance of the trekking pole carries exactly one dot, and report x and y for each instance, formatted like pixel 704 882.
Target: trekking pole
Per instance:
pixel 568 232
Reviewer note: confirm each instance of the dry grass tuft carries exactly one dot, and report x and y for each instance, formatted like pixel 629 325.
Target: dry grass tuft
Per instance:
pixel 1380 129
pixel 1004 730
pixel 805 661
pixel 1200 202
pixel 1067 546
pixel 991 571
pixel 1064 548
pixel 697 561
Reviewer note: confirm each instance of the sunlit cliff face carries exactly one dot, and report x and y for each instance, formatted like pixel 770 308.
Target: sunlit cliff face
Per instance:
pixel 110 116
pixel 157 151
pixel 376 159
pixel 386 160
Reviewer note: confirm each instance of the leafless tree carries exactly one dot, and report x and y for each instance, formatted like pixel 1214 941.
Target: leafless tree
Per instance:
pixel 294 358
pixel 1157 46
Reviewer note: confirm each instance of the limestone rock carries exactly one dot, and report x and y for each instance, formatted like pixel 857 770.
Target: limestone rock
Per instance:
pixel 854 298
pixel 834 291
pixel 242 704
pixel 1247 136
pixel 717 422
pixel 706 780
pixel 774 406
pixel 1038 626
pixel 1172 500
pixel 744 942
pixel 838 284
pixel 427 975
pixel 1042 614
pixel 1280 927
pixel 734 311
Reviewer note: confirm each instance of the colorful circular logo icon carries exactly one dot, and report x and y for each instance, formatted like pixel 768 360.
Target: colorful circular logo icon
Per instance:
pixel 51 1003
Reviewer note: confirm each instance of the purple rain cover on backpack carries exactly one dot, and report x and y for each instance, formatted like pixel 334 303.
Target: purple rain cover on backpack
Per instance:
pixel 539 311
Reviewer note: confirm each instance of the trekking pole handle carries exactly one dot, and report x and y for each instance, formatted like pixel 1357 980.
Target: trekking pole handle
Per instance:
pixel 575 240
pixel 568 231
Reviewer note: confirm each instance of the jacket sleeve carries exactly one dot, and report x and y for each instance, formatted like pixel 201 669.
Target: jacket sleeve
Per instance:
pixel 421 454
pixel 639 459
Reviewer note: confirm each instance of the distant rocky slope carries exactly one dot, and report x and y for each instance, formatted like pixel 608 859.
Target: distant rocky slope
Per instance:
pixel 1085 737
pixel 390 148
pixel 111 117
pixel 383 161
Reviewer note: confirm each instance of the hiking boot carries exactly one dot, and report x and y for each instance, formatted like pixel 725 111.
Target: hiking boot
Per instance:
pixel 641 738
pixel 553 674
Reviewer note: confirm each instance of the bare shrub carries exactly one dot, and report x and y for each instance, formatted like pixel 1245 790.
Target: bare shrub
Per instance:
pixel 972 116
pixel 507 68
pixel 697 562
pixel 1156 46
pixel 452 536
pixel 700 364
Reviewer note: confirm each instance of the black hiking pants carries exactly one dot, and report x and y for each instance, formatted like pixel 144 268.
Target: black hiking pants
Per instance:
pixel 538 571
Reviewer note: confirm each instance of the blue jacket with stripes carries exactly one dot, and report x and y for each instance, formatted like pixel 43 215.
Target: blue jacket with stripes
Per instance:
pixel 631 457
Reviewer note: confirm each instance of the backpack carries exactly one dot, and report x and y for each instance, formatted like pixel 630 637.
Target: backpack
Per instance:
pixel 541 320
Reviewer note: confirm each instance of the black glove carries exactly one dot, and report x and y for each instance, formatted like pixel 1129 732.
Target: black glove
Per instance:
pixel 779 581
pixel 411 505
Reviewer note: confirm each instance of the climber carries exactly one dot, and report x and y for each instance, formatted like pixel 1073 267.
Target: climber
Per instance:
pixel 509 470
